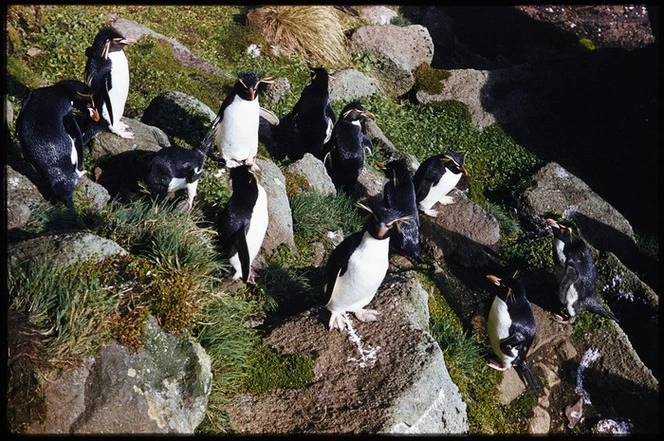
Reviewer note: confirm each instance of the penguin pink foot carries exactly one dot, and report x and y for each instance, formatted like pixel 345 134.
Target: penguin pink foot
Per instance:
pixel 494 364
pixel 338 320
pixel 431 212
pixel 560 319
pixel 446 200
pixel 366 315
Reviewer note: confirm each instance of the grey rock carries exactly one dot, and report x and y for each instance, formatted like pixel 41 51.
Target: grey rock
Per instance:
pixel 95 195
pixel 378 15
pixel 179 114
pixel 65 249
pixel 396 51
pixel 22 196
pixel 416 394
pixel 350 84
pixel 163 388
pixel 146 138
pixel 313 171
pixel 276 91
pixel 280 226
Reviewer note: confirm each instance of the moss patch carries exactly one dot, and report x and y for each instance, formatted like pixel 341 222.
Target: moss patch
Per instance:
pixel 270 370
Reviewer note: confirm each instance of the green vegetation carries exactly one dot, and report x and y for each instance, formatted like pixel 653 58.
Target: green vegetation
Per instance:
pixel 268 371
pixel 430 80
pixel 315 214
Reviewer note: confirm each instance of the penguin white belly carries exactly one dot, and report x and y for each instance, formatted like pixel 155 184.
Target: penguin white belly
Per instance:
pixel 436 193
pixel 498 326
pixel 367 267
pixel 74 159
pixel 120 85
pixel 558 249
pixel 256 232
pixel 237 133
pixel 571 297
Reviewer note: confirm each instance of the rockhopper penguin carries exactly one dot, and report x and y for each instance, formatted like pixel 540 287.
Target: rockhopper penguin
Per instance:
pixel 436 177
pixel 107 73
pixel 236 123
pixel 51 137
pixel 399 193
pixel 575 272
pixel 357 266
pixel 243 222
pixel 312 118
pixel 344 158
pixel 511 327
pixel 176 168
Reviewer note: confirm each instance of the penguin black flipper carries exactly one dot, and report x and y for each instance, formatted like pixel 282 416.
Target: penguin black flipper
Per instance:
pixel 239 240
pixel 72 127
pixel 338 262
pixel 592 304
pixel 529 378
pixel 426 176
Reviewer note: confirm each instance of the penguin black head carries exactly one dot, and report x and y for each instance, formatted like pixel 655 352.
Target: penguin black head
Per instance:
pixel 381 220
pixel 246 86
pixel 354 111
pixel 241 177
pixel 454 161
pixel 396 170
pixel 107 40
pixel 564 230
pixel 319 75
pixel 511 287
pixel 82 97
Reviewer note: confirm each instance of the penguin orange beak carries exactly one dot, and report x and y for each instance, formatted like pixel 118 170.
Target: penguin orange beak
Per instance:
pixel 464 171
pixel 382 231
pixel 94 114
pixel 380 165
pixel 552 223
pixel 369 115
pixel 252 94
pixel 495 280
pixel 128 41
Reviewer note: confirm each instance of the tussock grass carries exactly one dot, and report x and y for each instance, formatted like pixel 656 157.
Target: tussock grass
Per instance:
pixel 314 32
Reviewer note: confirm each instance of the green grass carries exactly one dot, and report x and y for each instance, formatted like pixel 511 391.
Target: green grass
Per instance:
pixel 269 370
pixel 315 214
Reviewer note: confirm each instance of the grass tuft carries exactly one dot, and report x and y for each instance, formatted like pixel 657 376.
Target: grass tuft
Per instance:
pixel 314 32
pixel 315 214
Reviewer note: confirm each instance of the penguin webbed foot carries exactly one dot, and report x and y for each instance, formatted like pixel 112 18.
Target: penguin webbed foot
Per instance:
pixel 338 320
pixel 496 364
pixel 366 315
pixel 560 319
pixel 446 200
pixel 431 212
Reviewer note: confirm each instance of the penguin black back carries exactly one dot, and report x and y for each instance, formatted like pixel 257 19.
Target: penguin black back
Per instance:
pixel 51 137
pixel 435 177
pixel 399 193
pixel 344 158
pixel 313 116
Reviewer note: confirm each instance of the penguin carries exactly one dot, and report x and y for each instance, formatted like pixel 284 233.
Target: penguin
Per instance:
pixel 237 122
pixel 107 73
pixel 50 136
pixel 243 222
pixel 399 193
pixel 344 157
pixel 357 266
pixel 312 118
pixel 575 272
pixel 177 168
pixel 436 177
pixel 511 327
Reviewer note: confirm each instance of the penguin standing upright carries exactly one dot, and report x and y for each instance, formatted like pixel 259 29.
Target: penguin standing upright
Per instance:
pixel 436 177
pixel 344 158
pixel 357 266
pixel 107 73
pixel 511 327
pixel 176 168
pixel 312 118
pixel 51 137
pixel 236 123
pixel 575 272
pixel 399 193
pixel 243 222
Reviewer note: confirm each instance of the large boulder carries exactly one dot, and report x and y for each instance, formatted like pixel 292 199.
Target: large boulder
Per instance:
pixel 396 52
pixel 366 381
pixel 162 388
